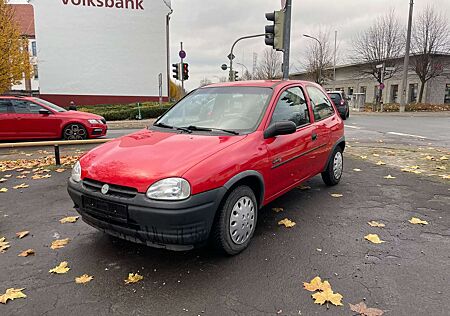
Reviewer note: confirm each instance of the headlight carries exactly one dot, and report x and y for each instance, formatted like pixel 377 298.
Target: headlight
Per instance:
pixel 171 189
pixel 76 172
pixel 95 121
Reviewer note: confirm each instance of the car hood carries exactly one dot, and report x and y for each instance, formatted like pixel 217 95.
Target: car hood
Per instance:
pixel 80 115
pixel 142 158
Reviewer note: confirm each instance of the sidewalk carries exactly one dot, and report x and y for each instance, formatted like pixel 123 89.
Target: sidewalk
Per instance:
pixel 404 114
pixel 130 124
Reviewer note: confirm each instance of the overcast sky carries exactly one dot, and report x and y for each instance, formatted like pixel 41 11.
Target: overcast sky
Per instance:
pixel 208 28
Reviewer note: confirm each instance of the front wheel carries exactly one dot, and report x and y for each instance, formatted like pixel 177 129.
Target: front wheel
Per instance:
pixel 236 221
pixel 332 175
pixel 74 132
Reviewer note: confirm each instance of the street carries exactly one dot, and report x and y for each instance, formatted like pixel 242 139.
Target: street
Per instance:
pixel 406 275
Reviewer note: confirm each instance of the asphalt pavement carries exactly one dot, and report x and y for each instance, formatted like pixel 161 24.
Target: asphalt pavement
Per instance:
pixel 409 274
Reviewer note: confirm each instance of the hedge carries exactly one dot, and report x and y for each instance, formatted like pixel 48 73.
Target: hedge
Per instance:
pixel 123 112
pixel 413 107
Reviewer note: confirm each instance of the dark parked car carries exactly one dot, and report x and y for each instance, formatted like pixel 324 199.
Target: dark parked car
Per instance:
pixel 341 101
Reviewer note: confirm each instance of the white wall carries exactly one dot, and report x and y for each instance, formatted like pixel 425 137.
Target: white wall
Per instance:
pixel 86 50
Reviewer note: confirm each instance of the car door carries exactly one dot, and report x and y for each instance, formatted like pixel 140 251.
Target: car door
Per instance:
pixel 7 120
pixel 288 153
pixel 33 124
pixel 325 121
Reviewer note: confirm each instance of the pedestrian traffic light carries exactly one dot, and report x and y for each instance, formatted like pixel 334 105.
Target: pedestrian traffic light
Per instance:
pixel 176 71
pixel 275 32
pixel 185 71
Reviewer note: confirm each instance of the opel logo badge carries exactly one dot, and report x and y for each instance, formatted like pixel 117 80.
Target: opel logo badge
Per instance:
pixel 105 189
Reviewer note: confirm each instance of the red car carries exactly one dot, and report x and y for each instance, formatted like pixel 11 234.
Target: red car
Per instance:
pixel 34 118
pixel 207 166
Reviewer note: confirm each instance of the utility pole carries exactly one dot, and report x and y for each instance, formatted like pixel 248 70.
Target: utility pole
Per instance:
pixel 321 56
pixel 182 77
pixel 406 61
pixel 334 62
pixel 231 55
pixel 287 39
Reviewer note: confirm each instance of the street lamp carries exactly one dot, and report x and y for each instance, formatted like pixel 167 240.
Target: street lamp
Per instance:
pixel 321 55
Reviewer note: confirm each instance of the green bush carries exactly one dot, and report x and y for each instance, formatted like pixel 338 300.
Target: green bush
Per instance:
pixel 121 112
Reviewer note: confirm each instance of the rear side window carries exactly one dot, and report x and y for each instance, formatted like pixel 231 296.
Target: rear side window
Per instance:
pixel 26 107
pixel 336 97
pixel 321 106
pixel 292 106
pixel 4 106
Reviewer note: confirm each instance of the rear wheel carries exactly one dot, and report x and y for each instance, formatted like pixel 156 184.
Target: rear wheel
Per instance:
pixel 236 221
pixel 74 132
pixel 332 175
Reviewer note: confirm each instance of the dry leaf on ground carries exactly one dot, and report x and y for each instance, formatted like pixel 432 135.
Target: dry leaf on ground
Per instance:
pixel 21 186
pixel 381 163
pixel 12 294
pixel 60 243
pixel 316 284
pixel 304 187
pixel 61 268
pixel 328 296
pixel 3 180
pixel 417 221
pixel 70 219
pixel 4 245
pixel 278 209
pixel 26 253
pixel 8 175
pixel 374 238
pixel 21 177
pixel 21 235
pixel 363 157
pixel 336 195
pixel 357 170
pixel 376 224
pixel 287 223
pixel 133 278
pixel 389 177
pixel 443 158
pixel 376 155
pixel 3 190
pixel 60 170
pixel 363 310
pixel 83 279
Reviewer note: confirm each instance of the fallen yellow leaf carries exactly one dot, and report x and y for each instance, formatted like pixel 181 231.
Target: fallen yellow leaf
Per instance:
pixel 304 187
pixel 443 158
pixel 376 155
pixel 357 170
pixel 12 294
pixel 429 158
pixel 133 278
pixel 21 177
pixel 3 180
pixel 21 186
pixel 376 224
pixel 26 253
pixel 8 175
pixel 316 284
pixel 328 296
pixel 60 243
pixel 83 279
pixel 4 245
pixel 3 190
pixel 337 195
pixel 278 209
pixel 417 221
pixel 70 219
pixel 363 310
pixel 414 167
pixel 60 170
pixel 381 163
pixel 445 176
pixel 374 238
pixel 438 168
pixel 287 223
pixel 21 235
pixel 61 268
pixel 389 177
pixel 363 157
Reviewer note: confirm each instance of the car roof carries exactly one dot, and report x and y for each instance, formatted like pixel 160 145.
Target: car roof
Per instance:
pixel 12 97
pixel 340 92
pixel 256 83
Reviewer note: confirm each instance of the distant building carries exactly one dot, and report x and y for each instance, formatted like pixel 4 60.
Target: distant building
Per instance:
pixel 24 16
pixel 352 80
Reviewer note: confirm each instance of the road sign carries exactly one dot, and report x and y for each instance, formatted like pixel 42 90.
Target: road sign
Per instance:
pixel 224 67
pixel 182 54
pixel 231 57
pixel 382 86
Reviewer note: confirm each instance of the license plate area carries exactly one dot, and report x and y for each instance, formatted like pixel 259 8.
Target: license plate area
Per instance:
pixel 105 209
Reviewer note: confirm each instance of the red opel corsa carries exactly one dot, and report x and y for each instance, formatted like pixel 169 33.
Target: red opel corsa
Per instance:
pixel 34 118
pixel 206 167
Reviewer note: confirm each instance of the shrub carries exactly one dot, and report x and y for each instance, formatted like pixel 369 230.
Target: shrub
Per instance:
pixel 413 107
pixel 120 112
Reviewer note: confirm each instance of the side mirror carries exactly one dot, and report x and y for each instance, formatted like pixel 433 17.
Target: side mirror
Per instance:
pixel 44 112
pixel 280 128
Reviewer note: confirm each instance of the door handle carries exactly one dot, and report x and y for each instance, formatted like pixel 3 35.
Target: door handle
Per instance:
pixel 314 136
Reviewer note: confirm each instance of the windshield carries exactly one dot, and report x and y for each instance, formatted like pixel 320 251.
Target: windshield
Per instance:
pixel 50 105
pixel 238 109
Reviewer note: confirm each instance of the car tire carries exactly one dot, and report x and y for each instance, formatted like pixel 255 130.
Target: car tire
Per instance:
pixel 75 132
pixel 348 114
pixel 235 222
pixel 344 117
pixel 333 174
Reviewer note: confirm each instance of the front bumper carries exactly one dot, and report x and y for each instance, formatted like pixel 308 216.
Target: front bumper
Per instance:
pixel 179 225
pixel 97 130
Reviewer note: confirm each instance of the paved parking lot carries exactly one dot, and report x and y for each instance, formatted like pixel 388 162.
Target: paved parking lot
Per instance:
pixel 407 275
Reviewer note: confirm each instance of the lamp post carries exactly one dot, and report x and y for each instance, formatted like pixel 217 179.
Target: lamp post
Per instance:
pixel 321 55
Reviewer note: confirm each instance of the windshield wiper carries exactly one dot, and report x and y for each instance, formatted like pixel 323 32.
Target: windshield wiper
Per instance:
pixel 208 129
pixel 164 125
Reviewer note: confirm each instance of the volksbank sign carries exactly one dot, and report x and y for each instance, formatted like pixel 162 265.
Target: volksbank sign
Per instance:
pixel 101 50
pixel 118 4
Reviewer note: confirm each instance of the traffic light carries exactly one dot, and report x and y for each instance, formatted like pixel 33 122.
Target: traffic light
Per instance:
pixel 275 32
pixel 185 71
pixel 236 78
pixel 176 71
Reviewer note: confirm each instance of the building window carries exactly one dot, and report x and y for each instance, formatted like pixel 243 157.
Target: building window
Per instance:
pixel 350 91
pixel 33 49
pixel 394 93
pixel 35 72
pixel 447 94
pixel 413 92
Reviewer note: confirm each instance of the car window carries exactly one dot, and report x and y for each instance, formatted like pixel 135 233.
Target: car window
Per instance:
pixel 292 106
pixel 4 106
pixel 321 106
pixel 336 97
pixel 25 107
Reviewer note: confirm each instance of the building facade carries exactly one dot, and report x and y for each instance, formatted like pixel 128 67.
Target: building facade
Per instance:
pixel 354 80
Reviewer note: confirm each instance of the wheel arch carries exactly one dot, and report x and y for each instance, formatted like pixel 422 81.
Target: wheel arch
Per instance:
pixel 340 143
pixel 251 178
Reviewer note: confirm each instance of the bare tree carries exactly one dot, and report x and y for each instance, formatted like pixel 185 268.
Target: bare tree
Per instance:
pixel 380 44
pixel 246 75
pixel 204 82
pixel 430 37
pixel 269 66
pixel 223 79
pixel 319 58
